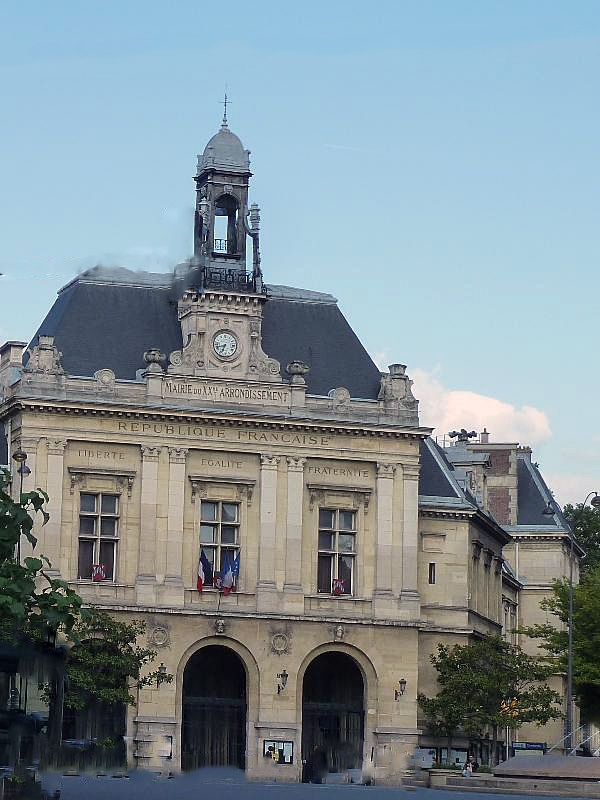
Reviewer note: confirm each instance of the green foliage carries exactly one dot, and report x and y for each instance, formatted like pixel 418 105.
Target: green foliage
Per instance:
pixel 107 661
pixel 488 684
pixel 32 603
pixel 585 522
pixel 553 638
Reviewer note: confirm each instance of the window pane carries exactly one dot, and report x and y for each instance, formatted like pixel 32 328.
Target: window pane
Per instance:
pixel 208 533
pixel 209 552
pixel 86 559
pixel 208 511
pixel 87 502
pixel 108 526
pixel 107 557
pixel 324 574
pixel 325 540
pixel 229 512
pixel 326 518
pixel 87 526
pixel 346 542
pixel 345 572
pixel 109 503
pixel 228 534
pixel 347 521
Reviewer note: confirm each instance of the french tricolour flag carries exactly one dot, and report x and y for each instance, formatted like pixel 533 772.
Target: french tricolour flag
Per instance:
pixel 231 571
pixel 205 572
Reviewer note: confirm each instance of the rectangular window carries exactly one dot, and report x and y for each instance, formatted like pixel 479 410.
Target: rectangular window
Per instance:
pixel 98 536
pixel 219 531
pixel 432 572
pixel 337 551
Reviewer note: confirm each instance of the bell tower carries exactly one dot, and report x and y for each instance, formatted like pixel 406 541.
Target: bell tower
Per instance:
pixel 221 221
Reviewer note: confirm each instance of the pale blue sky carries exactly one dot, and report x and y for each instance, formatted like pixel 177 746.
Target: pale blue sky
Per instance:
pixel 433 164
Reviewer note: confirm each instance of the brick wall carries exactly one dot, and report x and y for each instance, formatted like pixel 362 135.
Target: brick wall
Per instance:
pixel 499 462
pixel 499 503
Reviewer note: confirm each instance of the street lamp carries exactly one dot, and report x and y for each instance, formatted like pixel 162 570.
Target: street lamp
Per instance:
pixel 20 456
pixel 550 511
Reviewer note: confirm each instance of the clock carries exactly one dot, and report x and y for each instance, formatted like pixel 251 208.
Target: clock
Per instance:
pixel 225 344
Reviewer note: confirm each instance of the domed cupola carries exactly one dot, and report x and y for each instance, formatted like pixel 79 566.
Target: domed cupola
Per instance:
pixel 222 212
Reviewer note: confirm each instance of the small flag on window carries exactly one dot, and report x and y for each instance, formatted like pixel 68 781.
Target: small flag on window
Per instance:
pixel 337 586
pixel 231 571
pixel 205 572
pixel 98 572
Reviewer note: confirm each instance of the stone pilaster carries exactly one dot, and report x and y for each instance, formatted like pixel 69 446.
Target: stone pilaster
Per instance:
pixel 30 483
pixel 266 589
pixel 294 595
pixel 50 545
pixel 383 599
pixel 172 592
pixel 145 583
pixel 410 540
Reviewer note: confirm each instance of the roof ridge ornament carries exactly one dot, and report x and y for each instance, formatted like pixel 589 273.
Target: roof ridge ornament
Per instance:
pixel 225 101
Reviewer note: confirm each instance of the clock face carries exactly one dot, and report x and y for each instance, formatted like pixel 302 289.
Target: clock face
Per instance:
pixel 225 344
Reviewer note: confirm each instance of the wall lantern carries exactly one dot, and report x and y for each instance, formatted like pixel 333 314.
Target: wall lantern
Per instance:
pixel 402 688
pixel 282 678
pixel 160 674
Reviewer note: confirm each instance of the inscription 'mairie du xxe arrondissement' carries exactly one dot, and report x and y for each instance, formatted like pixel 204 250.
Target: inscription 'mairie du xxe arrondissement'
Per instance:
pixel 223 391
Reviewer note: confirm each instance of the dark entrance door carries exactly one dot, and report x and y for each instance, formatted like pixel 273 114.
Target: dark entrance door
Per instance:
pixel 332 716
pixel 214 710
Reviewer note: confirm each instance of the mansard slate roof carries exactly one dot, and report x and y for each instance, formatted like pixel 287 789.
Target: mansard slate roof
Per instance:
pixel 109 318
pixel 533 496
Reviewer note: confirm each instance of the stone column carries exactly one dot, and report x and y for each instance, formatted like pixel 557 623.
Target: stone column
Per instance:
pixel 173 587
pixel 410 539
pixel 145 583
pixel 266 590
pixel 294 595
pixel 50 544
pixel 383 599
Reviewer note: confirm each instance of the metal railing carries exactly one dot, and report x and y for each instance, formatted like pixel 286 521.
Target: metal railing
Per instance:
pixel 231 280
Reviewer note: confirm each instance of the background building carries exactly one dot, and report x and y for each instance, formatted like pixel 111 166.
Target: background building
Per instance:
pixel 206 417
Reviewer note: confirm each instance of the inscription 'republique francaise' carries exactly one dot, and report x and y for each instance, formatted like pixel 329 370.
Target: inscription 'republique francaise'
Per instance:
pixel 203 432
pixel 223 391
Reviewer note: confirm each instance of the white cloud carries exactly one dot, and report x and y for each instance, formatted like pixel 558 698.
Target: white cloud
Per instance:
pixel 448 409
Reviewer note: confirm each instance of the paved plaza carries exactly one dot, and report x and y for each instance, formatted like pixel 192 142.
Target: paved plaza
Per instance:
pixel 229 785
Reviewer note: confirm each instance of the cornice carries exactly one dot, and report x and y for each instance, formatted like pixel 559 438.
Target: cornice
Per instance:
pixel 211 417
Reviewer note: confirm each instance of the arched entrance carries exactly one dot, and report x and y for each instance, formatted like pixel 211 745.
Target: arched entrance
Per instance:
pixel 332 715
pixel 214 710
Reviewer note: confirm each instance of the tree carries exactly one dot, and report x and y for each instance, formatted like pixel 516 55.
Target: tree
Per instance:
pixel 33 605
pixel 106 660
pixel 585 522
pixel 553 639
pixel 494 684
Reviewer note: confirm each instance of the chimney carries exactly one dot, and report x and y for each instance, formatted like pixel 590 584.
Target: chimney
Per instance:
pixel 484 436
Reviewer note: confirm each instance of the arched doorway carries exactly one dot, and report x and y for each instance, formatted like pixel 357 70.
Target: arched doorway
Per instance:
pixel 332 716
pixel 214 710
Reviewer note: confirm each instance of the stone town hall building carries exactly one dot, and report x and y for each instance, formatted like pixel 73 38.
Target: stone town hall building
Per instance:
pixel 208 411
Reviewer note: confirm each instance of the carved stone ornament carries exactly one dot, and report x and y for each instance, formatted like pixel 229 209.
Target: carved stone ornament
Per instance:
pixel 281 641
pixel 396 388
pixel 44 358
pixel 159 636
pixel 339 398
pixel 220 626
pixel 106 379
pixel 338 633
pixel 154 359
pixel 297 370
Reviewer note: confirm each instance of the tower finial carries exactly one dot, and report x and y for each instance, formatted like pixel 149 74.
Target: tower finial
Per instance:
pixel 225 101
